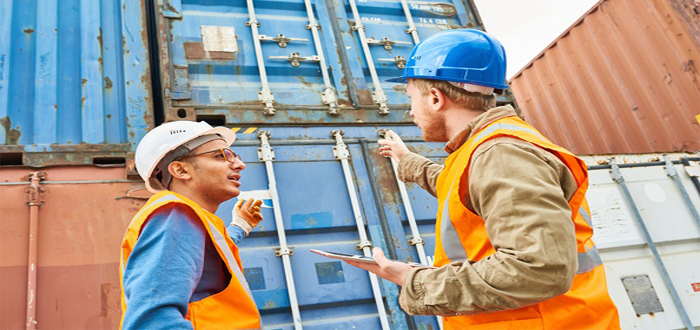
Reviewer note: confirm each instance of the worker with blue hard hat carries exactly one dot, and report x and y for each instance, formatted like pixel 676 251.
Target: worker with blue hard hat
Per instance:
pixel 513 231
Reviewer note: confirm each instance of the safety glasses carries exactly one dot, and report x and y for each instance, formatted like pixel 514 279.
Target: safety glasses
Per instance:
pixel 226 153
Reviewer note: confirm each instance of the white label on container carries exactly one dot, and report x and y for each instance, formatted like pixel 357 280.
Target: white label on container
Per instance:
pixel 219 39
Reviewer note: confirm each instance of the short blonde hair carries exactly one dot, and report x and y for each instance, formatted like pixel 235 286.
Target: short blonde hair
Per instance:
pixel 474 101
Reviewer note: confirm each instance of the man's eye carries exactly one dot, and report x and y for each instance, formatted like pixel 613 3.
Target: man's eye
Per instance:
pixel 219 156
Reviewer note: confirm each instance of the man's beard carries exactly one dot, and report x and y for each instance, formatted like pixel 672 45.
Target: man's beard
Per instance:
pixel 435 129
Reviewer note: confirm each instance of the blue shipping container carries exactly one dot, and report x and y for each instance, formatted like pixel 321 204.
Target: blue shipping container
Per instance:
pixel 74 81
pixel 300 70
pixel 296 62
pixel 316 210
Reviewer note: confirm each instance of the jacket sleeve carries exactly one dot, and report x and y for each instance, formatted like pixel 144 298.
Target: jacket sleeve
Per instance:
pixel 419 170
pixel 235 233
pixel 528 220
pixel 164 269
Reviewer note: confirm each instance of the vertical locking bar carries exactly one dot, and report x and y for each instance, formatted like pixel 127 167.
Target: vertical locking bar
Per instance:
pixel 673 174
pixel 341 152
pixel 417 240
pixel 265 95
pixel 409 18
pixel 617 177
pixel 378 95
pixel 267 155
pixel 329 95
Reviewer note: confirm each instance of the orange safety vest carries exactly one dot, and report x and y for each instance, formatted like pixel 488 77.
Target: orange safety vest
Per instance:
pixel 461 235
pixel 233 308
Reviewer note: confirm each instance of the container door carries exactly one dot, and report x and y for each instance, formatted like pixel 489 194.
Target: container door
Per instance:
pixel 317 213
pixel 260 55
pixel 381 34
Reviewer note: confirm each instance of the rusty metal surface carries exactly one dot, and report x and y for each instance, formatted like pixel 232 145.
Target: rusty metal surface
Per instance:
pixel 79 232
pixel 623 79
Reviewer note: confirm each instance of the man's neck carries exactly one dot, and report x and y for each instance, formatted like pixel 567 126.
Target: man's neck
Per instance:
pixel 458 119
pixel 202 201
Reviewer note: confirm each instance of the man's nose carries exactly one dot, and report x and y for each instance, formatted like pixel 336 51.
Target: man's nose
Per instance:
pixel 237 164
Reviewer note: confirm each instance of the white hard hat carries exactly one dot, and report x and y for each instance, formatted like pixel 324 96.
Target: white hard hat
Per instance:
pixel 167 137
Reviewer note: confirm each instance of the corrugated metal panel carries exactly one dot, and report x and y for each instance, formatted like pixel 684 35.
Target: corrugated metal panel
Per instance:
pixel 211 68
pixel 80 229
pixel 624 79
pixel 74 79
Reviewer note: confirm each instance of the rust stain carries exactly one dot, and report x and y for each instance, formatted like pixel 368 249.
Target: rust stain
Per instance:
pixel 28 30
pixel 99 39
pixel 364 96
pixel 84 81
pixel 195 51
pixel 108 83
pixel 304 82
pixel 12 135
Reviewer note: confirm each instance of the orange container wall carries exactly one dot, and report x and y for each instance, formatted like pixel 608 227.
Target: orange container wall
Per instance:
pixel 623 79
pixel 79 234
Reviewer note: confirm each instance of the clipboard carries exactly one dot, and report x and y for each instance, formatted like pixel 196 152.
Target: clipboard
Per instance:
pixel 359 258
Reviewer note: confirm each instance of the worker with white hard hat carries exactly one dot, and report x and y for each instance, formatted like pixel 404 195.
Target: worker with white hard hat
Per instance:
pixel 180 267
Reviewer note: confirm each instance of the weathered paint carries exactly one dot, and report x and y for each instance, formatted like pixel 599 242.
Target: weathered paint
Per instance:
pixel 80 229
pixel 71 73
pixel 227 84
pixel 623 79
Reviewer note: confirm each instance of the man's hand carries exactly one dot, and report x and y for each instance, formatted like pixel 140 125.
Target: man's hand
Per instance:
pixel 390 270
pixel 246 214
pixel 393 147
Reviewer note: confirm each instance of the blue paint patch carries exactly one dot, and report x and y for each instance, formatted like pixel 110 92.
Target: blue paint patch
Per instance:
pixel 255 277
pixel 312 220
pixel 330 272
pixel 271 299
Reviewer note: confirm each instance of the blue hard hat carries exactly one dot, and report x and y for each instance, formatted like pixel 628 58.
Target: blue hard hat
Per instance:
pixel 464 55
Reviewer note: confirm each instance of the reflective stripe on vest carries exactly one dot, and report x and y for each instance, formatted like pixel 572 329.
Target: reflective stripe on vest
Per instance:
pixel 496 126
pixel 454 250
pixel 451 244
pixel 219 240
pixel 450 239
pixel 143 209
pixel 585 216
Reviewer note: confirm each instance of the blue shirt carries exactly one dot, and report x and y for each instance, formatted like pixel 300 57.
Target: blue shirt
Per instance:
pixel 172 264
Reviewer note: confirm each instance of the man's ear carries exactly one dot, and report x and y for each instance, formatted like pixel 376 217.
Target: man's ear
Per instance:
pixel 180 170
pixel 437 98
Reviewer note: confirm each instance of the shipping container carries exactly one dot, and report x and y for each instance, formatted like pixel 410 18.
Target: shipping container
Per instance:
pixel 74 81
pixel 82 215
pixel 302 83
pixel 644 216
pixel 301 70
pixel 622 79
pixel 299 62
